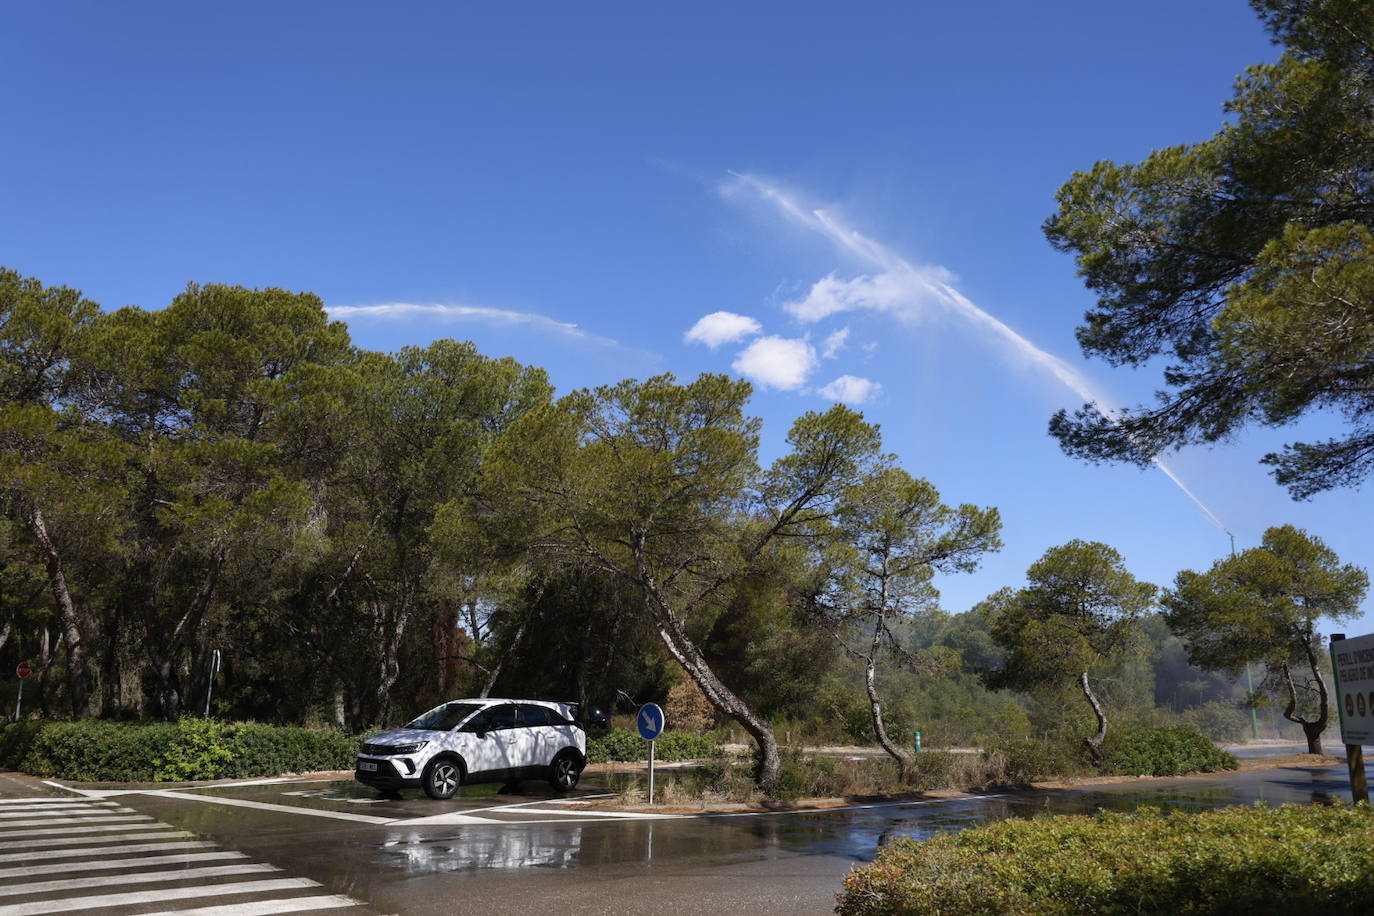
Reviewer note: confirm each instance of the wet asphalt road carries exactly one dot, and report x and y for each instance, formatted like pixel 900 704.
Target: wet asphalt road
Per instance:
pixel 531 853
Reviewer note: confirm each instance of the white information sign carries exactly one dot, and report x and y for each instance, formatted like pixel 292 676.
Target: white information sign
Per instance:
pixel 1353 660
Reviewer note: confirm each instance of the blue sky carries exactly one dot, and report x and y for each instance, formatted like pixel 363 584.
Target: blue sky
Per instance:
pixel 859 186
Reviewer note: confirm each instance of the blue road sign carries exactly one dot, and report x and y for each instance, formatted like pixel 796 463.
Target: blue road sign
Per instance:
pixel 650 721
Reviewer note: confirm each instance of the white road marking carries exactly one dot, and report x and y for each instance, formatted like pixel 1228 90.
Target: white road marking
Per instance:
pixel 35 799
pixel 265 907
pixel 147 877
pixel 30 871
pixel 65 805
pixel 267 806
pixel 109 901
pixel 81 851
pixel 8 817
pixel 71 831
pixel 54 824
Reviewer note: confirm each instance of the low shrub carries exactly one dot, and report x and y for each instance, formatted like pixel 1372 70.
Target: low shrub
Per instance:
pixel 1021 760
pixel 94 750
pixel 624 745
pixel 1168 751
pixel 1292 859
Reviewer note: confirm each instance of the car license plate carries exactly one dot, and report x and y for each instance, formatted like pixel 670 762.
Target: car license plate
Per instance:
pixel 367 766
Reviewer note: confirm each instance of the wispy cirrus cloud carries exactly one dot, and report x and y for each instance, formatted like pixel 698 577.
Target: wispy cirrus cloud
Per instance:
pixel 909 291
pixel 834 343
pixel 721 328
pixel 474 314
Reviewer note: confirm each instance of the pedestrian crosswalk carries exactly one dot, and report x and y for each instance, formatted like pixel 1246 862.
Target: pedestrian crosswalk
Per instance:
pixel 65 855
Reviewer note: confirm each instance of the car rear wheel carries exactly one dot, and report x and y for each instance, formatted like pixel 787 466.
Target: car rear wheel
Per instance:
pixel 565 771
pixel 442 778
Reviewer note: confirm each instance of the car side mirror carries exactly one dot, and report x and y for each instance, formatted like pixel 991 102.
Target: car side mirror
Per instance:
pixel 481 733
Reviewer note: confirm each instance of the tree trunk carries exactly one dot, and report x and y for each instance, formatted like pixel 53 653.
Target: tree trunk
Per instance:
pixel 495 673
pixel 78 675
pixel 899 754
pixel 1095 742
pixel 1311 729
pixel 684 650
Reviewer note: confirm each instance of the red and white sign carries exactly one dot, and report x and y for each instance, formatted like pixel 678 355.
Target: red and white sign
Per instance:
pixel 24 669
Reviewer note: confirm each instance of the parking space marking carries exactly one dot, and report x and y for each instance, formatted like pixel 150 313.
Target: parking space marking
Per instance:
pixel 147 877
pixel 268 806
pixel 81 851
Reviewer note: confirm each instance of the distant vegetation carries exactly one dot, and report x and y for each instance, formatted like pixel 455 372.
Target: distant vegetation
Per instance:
pixel 364 535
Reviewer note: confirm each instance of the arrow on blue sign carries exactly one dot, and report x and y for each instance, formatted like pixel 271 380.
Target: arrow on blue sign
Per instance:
pixel 649 721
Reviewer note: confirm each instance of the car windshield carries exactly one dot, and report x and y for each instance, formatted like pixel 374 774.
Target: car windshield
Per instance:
pixel 444 717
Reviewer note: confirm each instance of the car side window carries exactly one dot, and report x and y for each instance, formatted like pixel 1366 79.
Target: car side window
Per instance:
pixel 478 723
pixel 538 715
pixel 503 717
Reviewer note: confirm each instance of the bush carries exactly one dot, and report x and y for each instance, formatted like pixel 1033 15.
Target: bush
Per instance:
pixel 1167 751
pixel 625 745
pixel 1022 760
pixel 93 750
pixel 1293 859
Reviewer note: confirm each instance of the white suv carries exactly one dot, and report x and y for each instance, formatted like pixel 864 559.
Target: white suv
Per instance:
pixel 481 740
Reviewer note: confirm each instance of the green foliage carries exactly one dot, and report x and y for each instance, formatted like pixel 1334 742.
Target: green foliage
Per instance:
pixel 1304 859
pixel 621 744
pixel 1017 761
pixel 1168 751
pixel 99 751
pixel 1247 259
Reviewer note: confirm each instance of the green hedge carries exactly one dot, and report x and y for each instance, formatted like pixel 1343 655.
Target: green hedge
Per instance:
pixel 98 751
pixel 623 744
pixel 1168 751
pixel 1300 859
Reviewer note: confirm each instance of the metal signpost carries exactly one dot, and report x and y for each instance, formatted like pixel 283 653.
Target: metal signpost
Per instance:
pixel 210 687
pixel 1352 661
pixel 650 722
pixel 22 671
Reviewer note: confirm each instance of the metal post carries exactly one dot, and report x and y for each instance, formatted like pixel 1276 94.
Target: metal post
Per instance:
pixel 19 700
pixel 1354 753
pixel 917 737
pixel 651 772
pixel 210 687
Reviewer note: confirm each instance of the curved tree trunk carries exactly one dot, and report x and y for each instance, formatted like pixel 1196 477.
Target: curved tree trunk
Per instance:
pixel 685 651
pixel 1095 742
pixel 903 758
pixel 78 676
pixel 1311 728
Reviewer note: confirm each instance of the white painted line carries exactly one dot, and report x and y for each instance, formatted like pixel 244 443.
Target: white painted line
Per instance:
pixel 623 815
pixel 267 806
pixel 110 901
pixel 55 824
pixel 266 907
pixel 63 805
pixel 185 858
pixel 148 877
pixel 466 816
pixel 83 851
pixel 57 785
pixel 74 811
pixel 35 799
pixel 73 831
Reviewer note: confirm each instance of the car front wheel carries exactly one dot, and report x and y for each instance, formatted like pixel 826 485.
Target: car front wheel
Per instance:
pixel 442 778
pixel 565 771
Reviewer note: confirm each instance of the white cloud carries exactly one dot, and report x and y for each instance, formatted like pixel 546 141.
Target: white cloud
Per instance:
pixel 834 343
pixel 720 328
pixel 849 389
pixel 777 362
pixel 479 314
pixel 907 294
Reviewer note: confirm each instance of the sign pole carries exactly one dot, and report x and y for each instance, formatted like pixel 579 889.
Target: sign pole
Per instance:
pixel 1354 753
pixel 19 700
pixel 650 721
pixel 21 671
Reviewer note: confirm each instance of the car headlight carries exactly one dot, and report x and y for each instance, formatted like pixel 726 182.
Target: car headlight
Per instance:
pixel 408 748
